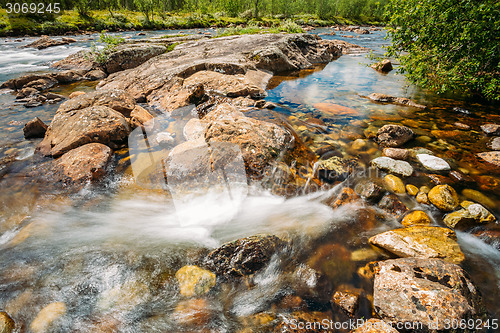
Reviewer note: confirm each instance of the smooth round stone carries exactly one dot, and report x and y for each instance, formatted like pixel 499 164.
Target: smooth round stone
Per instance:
pixel 393 166
pixel 444 197
pixel 433 163
pixel 395 184
pixel 417 217
pixel 412 189
pixel 396 153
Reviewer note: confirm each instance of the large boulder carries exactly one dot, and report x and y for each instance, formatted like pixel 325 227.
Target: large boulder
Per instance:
pixel 117 100
pixel 244 256
pixel 431 292
pixel 131 56
pixel 250 56
pixel 194 281
pixel 69 130
pixel 77 167
pixel 394 135
pixel 384 66
pixel 422 242
pixel 260 142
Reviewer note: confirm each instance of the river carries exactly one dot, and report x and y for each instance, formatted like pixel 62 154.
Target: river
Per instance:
pixel 110 252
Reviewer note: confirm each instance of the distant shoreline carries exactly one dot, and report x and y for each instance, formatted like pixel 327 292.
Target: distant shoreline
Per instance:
pixel 69 23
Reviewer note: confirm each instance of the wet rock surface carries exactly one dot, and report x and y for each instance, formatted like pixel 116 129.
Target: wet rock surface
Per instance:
pixel 246 55
pixel 492 157
pixel 45 42
pixel 428 291
pixel 421 241
pixel 69 130
pixel 444 197
pixel 87 163
pixel 394 135
pixel 7 324
pixel 244 256
pixel 34 128
pixel 393 166
pixel 194 281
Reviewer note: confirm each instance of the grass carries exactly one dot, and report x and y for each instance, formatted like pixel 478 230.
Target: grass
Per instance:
pixel 70 21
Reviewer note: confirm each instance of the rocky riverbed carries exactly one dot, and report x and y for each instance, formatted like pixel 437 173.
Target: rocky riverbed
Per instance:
pixel 205 202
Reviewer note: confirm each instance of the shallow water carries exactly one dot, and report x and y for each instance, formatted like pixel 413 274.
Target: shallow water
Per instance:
pixel 109 253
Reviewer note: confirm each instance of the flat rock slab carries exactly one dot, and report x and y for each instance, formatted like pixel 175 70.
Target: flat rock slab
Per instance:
pixel 394 166
pixel 427 291
pixel 433 163
pixel 232 55
pixel 422 242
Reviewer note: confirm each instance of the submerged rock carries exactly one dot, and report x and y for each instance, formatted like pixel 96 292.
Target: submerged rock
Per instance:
pixel 369 190
pixel 346 196
pixel 412 189
pixel 433 163
pixel 194 281
pixel 426 291
pixel 381 98
pixel 336 109
pixel 335 168
pixel 393 166
pixel 492 157
pixel 491 129
pixel 194 312
pixel 421 242
pixel 394 135
pixel 244 256
pixel 444 197
pixel 69 130
pixel 347 301
pixel 396 153
pixel 494 144
pixel 34 128
pixel 7 324
pixel 47 316
pixel 384 66
pixel 392 205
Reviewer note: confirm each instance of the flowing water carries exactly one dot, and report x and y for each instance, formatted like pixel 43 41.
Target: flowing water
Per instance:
pixel 109 253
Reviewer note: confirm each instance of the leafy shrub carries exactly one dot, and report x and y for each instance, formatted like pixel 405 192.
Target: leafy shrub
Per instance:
pixel 101 55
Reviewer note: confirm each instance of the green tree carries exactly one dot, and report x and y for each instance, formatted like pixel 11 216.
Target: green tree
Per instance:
pixel 448 45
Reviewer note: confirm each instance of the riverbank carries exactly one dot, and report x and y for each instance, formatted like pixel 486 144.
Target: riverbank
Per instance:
pixel 69 22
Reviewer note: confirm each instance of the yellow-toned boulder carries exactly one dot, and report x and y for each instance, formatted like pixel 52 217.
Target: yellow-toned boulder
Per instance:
pixel 444 197
pixel 395 184
pixel 194 281
pixel 415 218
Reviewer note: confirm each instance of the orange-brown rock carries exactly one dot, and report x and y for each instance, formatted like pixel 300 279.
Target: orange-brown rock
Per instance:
pixel 69 130
pixel 347 195
pixel 336 109
pixel 428 291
